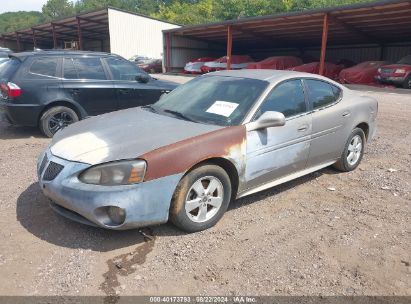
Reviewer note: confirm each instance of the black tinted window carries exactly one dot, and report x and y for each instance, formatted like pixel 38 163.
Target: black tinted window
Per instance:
pixel 84 68
pixel 321 93
pixel 123 70
pixel 44 67
pixel 287 98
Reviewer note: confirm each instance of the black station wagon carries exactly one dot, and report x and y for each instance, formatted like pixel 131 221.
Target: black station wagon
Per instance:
pixel 52 89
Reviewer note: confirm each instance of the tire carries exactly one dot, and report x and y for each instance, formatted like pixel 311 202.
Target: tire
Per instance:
pixel 348 161
pixel 407 83
pixel 206 211
pixel 56 118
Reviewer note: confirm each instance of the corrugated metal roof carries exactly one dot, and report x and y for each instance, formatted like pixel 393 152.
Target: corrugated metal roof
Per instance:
pixel 377 22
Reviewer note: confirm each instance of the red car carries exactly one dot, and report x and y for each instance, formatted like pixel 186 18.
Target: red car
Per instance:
pixel 331 70
pixel 398 74
pixel 151 65
pixel 363 73
pixel 276 63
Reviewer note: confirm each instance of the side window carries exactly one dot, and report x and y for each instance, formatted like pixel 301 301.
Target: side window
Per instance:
pixel 123 70
pixel 43 67
pixel 321 93
pixel 287 98
pixel 83 68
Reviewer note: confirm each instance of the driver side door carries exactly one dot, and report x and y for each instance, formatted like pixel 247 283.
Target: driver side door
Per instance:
pixel 130 92
pixel 276 152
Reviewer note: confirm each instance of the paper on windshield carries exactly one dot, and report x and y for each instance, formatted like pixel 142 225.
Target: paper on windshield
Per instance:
pixel 223 108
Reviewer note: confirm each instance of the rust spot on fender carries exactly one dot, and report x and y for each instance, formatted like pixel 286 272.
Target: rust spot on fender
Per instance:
pixel 181 156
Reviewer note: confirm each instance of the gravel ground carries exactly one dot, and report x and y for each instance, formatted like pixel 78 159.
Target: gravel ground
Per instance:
pixel 327 233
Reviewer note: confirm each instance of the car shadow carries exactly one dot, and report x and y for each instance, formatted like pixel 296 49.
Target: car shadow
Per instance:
pixel 8 131
pixel 259 196
pixel 36 216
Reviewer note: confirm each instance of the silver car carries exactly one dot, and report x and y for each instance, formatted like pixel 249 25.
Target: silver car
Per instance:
pixel 218 137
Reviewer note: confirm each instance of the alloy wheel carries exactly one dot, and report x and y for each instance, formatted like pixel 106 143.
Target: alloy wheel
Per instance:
pixel 204 199
pixel 354 150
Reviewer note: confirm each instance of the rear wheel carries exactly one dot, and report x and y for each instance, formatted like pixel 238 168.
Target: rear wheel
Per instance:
pixel 201 198
pixel 353 151
pixel 56 118
pixel 407 82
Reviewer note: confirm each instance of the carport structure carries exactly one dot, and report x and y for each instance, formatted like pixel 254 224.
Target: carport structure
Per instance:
pixel 371 31
pixel 88 30
pixel 107 29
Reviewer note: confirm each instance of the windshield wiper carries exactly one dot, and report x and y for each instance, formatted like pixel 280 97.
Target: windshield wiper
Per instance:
pixel 178 114
pixel 149 107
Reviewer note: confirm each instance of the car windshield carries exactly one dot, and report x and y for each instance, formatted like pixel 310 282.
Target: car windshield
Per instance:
pixel 405 60
pixel 217 100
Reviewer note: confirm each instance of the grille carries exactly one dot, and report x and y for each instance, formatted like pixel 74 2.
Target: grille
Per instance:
pixel 43 163
pixel 52 171
pixel 387 71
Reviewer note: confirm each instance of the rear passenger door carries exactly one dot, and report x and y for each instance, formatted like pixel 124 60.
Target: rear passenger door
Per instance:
pixel 86 82
pixel 328 121
pixel 130 92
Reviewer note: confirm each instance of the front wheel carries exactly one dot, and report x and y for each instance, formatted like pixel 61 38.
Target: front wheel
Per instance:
pixel 56 118
pixel 407 82
pixel 353 151
pixel 201 198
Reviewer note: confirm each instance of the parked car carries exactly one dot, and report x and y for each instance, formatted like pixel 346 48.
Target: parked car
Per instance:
pixel 52 89
pixel 194 66
pixel 138 58
pixel 237 62
pixel 151 65
pixel 331 70
pixel 398 74
pixel 276 63
pixel 187 156
pixel 363 73
pixel 4 52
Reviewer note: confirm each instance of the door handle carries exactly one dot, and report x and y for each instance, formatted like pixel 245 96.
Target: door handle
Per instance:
pixel 346 114
pixel 303 128
pixel 124 91
pixel 74 91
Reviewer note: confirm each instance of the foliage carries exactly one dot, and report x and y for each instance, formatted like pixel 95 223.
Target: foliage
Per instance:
pixel 55 9
pixel 12 21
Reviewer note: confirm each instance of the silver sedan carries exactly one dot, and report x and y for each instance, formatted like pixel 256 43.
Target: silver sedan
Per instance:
pixel 218 137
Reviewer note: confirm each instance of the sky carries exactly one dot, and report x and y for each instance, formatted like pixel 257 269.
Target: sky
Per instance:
pixel 21 5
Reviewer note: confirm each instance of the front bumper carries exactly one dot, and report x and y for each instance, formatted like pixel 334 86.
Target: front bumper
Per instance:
pixel 145 204
pixel 21 114
pixel 391 79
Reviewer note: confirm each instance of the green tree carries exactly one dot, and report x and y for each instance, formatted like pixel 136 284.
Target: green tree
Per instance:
pixel 55 9
pixel 12 21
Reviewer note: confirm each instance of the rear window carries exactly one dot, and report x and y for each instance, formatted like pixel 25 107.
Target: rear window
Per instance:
pixel 83 68
pixel 8 68
pixel 43 67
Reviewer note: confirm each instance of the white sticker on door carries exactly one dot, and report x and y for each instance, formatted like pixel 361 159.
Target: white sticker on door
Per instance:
pixel 223 108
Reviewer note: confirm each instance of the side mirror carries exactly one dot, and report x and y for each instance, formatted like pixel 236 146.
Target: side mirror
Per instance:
pixel 142 78
pixel 267 120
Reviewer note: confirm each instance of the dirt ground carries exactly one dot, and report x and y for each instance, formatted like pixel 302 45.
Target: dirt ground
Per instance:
pixel 327 233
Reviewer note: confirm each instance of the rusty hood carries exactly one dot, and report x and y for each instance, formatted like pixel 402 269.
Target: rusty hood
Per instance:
pixel 123 134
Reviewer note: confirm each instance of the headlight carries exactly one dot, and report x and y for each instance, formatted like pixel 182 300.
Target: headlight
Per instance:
pixel 399 71
pixel 115 173
pixel 379 70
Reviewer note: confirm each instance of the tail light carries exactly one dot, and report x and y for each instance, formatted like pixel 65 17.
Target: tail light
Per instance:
pixel 10 90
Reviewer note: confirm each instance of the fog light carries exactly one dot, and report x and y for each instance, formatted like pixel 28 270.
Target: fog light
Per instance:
pixel 116 214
